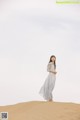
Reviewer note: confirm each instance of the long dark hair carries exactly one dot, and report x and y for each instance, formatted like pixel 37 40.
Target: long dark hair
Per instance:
pixel 54 60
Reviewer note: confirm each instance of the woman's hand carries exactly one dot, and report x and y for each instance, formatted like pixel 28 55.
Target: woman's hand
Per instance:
pixel 55 72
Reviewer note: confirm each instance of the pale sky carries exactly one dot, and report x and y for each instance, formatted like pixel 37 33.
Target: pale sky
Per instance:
pixel 30 32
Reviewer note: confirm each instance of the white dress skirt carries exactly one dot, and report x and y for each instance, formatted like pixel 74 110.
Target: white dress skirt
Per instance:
pixel 49 83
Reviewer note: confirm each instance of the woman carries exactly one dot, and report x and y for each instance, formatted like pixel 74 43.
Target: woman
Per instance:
pixel 47 88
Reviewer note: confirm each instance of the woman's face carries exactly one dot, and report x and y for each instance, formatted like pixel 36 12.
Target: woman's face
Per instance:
pixel 53 59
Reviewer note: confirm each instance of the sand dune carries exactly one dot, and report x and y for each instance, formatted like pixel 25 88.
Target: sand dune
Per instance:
pixel 42 110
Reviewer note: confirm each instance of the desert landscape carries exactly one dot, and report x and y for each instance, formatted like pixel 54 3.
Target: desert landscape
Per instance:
pixel 42 110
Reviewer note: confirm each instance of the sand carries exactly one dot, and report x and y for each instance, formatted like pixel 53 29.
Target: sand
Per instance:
pixel 42 110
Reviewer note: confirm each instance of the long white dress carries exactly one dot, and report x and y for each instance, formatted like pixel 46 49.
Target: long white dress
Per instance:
pixel 49 83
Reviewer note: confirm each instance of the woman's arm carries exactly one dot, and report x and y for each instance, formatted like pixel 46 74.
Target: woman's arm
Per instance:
pixel 53 72
pixel 49 69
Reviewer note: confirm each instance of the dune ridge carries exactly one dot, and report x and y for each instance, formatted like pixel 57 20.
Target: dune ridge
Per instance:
pixel 42 110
